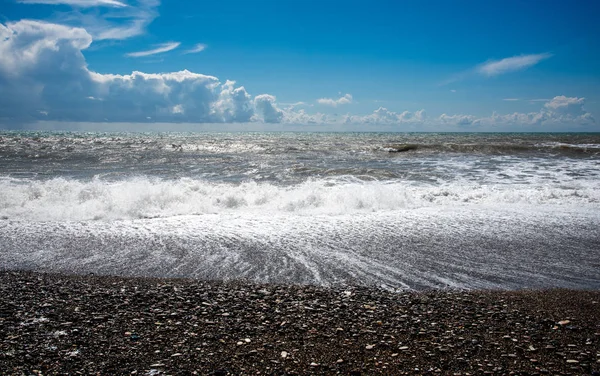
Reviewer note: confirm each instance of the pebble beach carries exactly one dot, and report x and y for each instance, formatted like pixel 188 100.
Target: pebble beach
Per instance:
pixel 55 324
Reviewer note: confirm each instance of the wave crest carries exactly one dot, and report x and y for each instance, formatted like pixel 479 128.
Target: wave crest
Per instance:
pixel 74 200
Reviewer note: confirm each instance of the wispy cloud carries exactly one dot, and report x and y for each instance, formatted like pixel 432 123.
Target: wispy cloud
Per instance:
pixel 346 99
pixel 79 3
pixel 123 23
pixel 197 48
pixel 526 100
pixel 511 64
pixel 497 67
pixel 165 47
pixel 106 19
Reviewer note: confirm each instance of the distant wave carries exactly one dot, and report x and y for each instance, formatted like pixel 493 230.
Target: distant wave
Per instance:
pixel 494 148
pixel 74 200
pixel 78 147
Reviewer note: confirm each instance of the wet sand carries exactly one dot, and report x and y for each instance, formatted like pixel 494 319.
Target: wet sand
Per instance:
pixel 60 324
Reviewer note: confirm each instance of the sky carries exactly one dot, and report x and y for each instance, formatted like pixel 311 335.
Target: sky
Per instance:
pixel 429 65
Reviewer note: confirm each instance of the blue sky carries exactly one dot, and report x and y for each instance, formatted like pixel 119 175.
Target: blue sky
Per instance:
pixel 356 65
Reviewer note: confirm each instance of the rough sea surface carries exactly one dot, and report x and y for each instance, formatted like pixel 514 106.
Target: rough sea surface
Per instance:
pixel 413 211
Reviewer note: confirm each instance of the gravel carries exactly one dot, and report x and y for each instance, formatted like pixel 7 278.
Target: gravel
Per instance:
pixel 61 324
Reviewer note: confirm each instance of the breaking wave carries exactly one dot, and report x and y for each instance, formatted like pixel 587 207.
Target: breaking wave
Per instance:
pixel 142 197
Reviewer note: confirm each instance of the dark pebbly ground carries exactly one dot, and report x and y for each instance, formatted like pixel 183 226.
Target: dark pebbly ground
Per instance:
pixel 57 324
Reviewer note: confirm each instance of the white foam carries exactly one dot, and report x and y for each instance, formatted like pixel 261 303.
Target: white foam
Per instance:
pixel 62 199
pixel 462 247
pixel 574 146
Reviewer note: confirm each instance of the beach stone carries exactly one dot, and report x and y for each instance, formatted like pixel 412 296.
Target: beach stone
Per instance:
pixel 448 342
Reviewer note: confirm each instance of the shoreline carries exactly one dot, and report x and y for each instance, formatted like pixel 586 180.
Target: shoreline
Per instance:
pixel 61 324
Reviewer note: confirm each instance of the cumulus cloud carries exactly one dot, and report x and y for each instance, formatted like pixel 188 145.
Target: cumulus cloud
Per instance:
pixel 560 110
pixel 302 117
pixel 41 66
pixel 511 64
pixel 267 109
pixel 44 75
pixel 462 120
pixel 384 116
pixel 78 3
pixel 23 44
pixel 569 109
pixel 565 104
pixel 197 48
pixel 233 104
pixel 346 99
pixel 164 47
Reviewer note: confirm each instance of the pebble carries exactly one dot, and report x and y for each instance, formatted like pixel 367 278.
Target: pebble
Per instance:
pixel 430 331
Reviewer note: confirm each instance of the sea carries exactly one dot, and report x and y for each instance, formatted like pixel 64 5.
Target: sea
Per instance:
pixel 399 211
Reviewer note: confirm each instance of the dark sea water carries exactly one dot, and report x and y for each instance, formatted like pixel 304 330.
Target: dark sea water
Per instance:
pixel 450 211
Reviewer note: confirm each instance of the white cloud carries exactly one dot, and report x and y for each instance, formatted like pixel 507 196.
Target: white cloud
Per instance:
pixel 78 3
pixel 23 43
pixel 346 99
pixel 197 48
pixel 107 19
pixel 44 76
pixel 384 116
pixel 511 99
pixel 291 106
pixel 177 109
pixel 233 104
pixel 511 64
pixel 561 110
pixel 462 120
pixel 302 117
pixel 565 104
pixel 569 109
pixel 497 67
pixel 42 70
pixel 165 47
pixel 267 110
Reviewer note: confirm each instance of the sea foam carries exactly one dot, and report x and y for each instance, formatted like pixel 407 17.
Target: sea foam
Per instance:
pixel 62 199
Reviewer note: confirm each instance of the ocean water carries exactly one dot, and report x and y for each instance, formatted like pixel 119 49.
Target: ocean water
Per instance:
pixel 450 211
